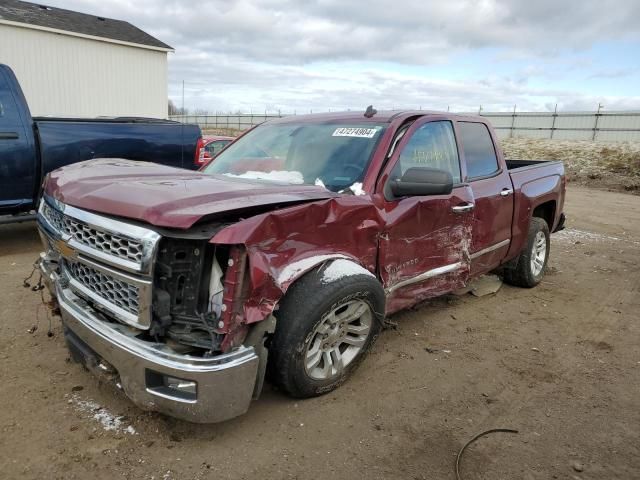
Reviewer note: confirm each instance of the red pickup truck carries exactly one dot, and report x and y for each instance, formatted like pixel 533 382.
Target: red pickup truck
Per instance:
pixel 282 257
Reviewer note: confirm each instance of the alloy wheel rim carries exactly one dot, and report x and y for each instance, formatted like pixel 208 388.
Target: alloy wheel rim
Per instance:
pixel 338 339
pixel 539 253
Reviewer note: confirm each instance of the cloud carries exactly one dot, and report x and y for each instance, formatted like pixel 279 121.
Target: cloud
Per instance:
pixel 617 73
pixel 411 31
pixel 255 87
pixel 305 54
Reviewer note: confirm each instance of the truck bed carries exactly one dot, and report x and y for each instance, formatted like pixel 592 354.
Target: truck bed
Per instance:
pixel 536 182
pixel 520 164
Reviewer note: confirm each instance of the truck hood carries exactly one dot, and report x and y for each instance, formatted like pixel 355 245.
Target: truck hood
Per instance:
pixel 166 196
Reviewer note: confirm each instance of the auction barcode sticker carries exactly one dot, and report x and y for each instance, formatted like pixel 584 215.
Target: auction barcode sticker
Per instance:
pixel 355 132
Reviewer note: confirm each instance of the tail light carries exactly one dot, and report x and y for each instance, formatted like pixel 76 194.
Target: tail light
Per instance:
pixel 199 158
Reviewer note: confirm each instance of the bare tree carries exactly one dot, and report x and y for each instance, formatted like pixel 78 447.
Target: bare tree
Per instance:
pixel 173 110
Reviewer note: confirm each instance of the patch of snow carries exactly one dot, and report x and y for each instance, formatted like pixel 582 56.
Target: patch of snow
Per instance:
pixel 356 188
pixel 572 235
pixel 108 420
pixel 291 271
pixel 343 268
pixel 319 183
pixel 275 175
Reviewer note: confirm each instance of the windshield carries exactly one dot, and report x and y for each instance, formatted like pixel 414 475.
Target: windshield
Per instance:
pixel 333 155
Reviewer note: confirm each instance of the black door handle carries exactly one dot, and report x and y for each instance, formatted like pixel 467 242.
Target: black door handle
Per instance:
pixel 9 136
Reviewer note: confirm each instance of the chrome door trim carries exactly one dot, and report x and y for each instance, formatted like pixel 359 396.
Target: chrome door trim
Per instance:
pixel 490 248
pixel 424 276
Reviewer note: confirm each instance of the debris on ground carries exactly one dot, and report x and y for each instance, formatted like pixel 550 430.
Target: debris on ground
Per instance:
pixel 108 420
pixel 485 285
pixel 577 466
pixel 487 432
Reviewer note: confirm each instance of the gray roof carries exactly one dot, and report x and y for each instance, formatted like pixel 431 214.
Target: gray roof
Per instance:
pixel 70 21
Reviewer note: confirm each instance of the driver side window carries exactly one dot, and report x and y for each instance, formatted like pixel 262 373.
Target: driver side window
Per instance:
pixel 433 145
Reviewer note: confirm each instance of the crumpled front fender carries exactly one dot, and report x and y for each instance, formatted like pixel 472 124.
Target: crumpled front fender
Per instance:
pixel 283 245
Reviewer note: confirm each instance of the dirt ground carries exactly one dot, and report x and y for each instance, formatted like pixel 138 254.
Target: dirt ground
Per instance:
pixel 560 363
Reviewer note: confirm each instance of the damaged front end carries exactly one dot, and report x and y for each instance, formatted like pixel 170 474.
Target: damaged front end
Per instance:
pixel 199 292
pixel 158 313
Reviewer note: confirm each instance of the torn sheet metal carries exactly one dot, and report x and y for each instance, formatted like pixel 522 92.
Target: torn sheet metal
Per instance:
pixel 284 244
pixel 425 249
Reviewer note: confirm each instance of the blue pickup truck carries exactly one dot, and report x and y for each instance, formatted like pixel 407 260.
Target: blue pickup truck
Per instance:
pixel 31 147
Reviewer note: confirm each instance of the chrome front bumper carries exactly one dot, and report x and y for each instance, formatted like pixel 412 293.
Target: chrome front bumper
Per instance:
pixel 224 384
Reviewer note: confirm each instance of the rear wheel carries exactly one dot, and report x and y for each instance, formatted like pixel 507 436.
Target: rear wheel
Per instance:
pixel 323 332
pixel 528 269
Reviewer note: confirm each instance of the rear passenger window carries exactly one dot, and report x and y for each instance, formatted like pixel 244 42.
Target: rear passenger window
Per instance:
pixel 433 145
pixel 478 148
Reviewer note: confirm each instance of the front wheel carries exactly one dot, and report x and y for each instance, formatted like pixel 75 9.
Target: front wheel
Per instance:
pixel 324 330
pixel 528 269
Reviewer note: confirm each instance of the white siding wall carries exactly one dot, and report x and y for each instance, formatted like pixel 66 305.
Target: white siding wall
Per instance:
pixel 71 76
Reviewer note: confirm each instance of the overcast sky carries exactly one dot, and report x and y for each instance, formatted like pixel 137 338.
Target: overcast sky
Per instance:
pixel 301 55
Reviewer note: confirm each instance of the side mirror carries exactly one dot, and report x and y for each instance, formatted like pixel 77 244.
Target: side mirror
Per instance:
pixel 418 181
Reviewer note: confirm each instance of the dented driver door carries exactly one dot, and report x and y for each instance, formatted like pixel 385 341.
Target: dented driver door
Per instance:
pixel 424 248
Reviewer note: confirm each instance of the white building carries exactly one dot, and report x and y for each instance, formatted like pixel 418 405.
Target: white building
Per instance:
pixel 74 64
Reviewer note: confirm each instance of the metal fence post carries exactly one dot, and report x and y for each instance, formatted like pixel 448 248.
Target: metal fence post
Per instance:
pixel 595 126
pixel 553 122
pixel 513 121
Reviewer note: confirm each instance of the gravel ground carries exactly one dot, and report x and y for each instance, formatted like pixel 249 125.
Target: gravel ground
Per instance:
pixel 560 363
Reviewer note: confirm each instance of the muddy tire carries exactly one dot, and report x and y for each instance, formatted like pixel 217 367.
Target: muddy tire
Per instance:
pixel 528 269
pixel 323 331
